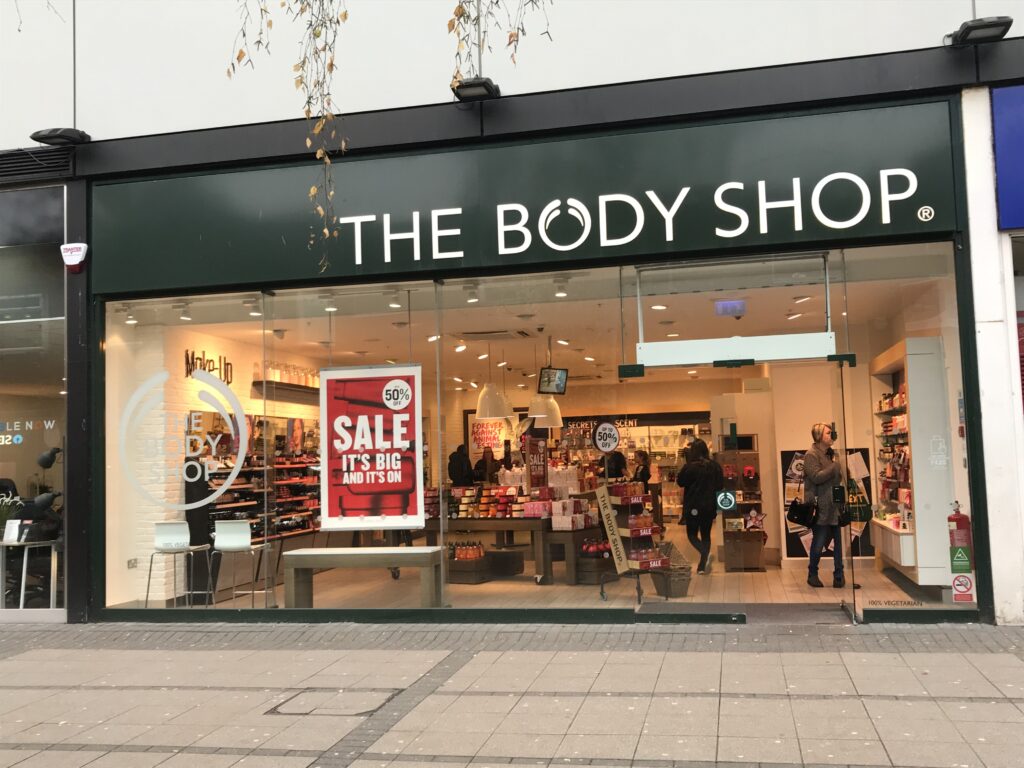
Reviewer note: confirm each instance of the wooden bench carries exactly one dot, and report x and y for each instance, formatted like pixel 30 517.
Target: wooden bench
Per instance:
pixel 299 565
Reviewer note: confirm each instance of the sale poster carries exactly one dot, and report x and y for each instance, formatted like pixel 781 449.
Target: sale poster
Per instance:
pixel 372 473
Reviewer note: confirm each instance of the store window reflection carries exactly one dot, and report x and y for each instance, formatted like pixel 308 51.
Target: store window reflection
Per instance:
pixel 32 396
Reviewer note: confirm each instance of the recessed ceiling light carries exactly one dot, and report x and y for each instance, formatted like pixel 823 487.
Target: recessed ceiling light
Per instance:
pixel 589 359
pixel 473 297
pixel 460 389
pixel 794 315
pixel 673 335
pixel 460 348
pixel 521 386
pixel 503 363
pixel 658 306
pixel 844 314
pixel 801 299
pixel 691 372
pixel 394 300
pixel 390 362
pixel 561 287
pixel 456 378
pixel 330 308
pixel 530 375
pixel 484 356
pixel 433 338
pixel 474 385
pixel 185 315
pixel 130 320
pixel 561 293
pixel 255 313
pixel 563 342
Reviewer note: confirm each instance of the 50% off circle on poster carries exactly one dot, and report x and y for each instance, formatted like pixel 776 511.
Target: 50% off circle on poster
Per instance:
pixel 605 437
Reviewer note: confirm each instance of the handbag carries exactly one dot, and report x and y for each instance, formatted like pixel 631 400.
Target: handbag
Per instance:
pixel 801 512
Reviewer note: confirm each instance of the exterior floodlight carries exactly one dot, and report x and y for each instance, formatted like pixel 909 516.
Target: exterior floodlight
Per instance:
pixel 476 89
pixel 61 137
pixel 977 31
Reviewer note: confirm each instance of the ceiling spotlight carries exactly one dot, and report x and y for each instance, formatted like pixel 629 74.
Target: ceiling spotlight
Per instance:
pixel 474 385
pixel 658 306
pixel 691 372
pixel 433 338
pixel 844 314
pixel 801 299
pixel 530 375
pixel 589 359
pixel 251 305
pixel 130 320
pixel 503 363
pixel 330 308
pixel 460 389
pixel 456 378
pixel 484 356
pixel 794 315
pixel 184 313
pixel 473 297
pixel 561 288
pixel 62 392
pixel 460 348
pixel 672 335
pixel 563 342
pixel 394 300
pixel 977 31
pixel 476 89
pixel 521 386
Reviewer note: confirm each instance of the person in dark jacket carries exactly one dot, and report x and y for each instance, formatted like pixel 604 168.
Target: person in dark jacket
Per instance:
pixel 616 465
pixel 486 469
pixel 460 469
pixel 821 473
pixel 701 479
pixel 642 473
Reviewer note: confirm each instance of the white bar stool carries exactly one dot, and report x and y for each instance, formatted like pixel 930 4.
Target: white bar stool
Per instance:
pixel 234 536
pixel 172 538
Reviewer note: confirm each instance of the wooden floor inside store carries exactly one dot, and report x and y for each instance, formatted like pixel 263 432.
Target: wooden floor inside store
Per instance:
pixel 786 584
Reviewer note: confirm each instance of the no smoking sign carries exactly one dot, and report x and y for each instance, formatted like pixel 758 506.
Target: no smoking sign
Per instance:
pixel 963 589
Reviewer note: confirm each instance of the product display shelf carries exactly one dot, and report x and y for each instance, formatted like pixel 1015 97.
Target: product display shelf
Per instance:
pixel 295 512
pixel 743 535
pixel 913 476
pixel 643 554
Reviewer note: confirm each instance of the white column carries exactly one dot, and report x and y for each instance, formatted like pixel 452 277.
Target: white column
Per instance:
pixel 995 316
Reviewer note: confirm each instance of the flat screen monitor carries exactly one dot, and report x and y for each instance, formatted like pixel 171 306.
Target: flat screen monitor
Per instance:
pixel 552 381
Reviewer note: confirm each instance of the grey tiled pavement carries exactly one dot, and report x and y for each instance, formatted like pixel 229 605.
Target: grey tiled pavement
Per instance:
pixel 406 695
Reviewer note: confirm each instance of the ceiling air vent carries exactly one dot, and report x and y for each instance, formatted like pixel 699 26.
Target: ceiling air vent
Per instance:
pixel 493 335
pixel 35 164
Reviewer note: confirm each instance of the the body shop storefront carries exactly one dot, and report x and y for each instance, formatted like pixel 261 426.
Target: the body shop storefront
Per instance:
pixel 483 309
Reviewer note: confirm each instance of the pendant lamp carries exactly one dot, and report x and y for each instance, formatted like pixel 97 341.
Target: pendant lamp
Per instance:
pixel 545 411
pixel 490 406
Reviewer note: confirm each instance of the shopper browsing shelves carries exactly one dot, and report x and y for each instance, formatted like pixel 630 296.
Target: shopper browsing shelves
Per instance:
pixel 460 470
pixel 486 469
pixel 701 479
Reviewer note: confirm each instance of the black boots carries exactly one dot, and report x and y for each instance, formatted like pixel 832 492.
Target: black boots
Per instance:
pixel 814 581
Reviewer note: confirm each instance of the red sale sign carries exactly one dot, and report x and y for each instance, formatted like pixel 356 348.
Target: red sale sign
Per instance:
pixel 371 427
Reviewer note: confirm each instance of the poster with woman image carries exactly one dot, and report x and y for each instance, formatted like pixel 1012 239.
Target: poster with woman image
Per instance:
pixel 858 495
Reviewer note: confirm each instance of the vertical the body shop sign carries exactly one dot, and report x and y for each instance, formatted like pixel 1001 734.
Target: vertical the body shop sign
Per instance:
pixel 372 466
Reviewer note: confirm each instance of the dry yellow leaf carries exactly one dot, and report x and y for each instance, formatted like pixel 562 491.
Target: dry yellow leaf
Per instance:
pixel 451 25
pixel 320 211
pixel 298 82
pixel 320 153
pixel 240 56
pixel 319 126
pixel 312 191
pixel 344 145
pixel 229 73
pixel 270 23
pixel 326 232
pixel 343 16
pixel 513 38
pixel 309 142
pixel 297 67
pixel 459 11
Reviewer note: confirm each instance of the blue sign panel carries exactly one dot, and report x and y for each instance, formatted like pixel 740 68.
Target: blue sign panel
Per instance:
pixel 1008 128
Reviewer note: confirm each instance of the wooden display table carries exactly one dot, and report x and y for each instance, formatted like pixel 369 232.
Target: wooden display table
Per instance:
pixel 299 565
pixel 539 528
pixel 572 540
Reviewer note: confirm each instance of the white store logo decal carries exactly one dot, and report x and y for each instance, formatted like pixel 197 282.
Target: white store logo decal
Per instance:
pixel 177 448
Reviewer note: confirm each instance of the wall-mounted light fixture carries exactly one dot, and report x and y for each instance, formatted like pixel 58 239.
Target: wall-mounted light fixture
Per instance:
pixel 476 89
pixel 61 137
pixel 978 31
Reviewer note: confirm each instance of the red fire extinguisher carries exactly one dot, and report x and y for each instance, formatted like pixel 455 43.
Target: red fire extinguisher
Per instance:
pixel 960 532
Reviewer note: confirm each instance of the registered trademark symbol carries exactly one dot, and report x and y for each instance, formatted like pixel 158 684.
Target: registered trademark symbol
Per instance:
pixel 926 213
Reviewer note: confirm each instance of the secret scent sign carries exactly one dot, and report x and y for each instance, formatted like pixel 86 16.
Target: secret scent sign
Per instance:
pixel 372 472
